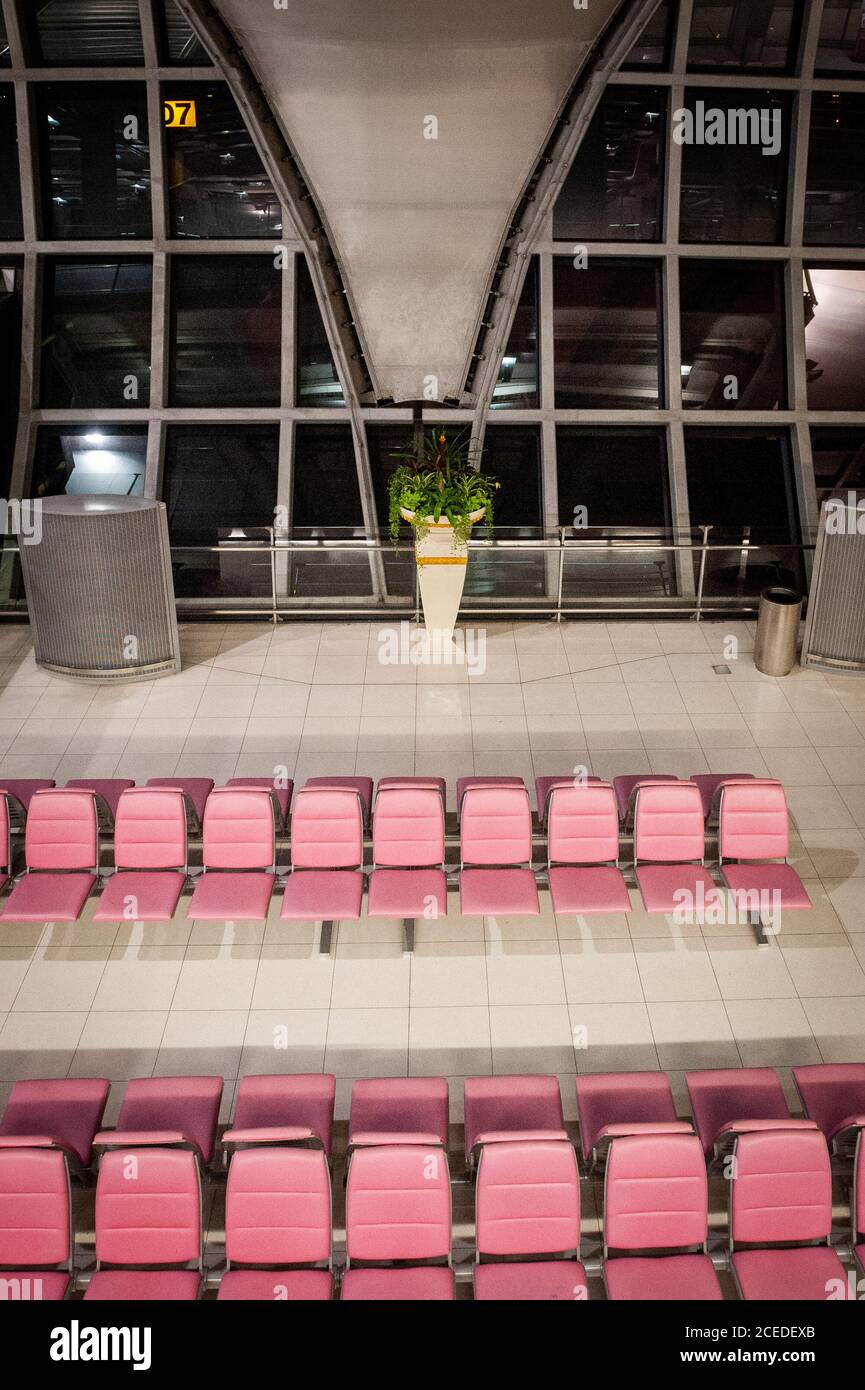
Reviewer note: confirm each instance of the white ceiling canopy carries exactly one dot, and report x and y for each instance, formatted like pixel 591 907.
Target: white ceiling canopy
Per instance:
pixel 417 126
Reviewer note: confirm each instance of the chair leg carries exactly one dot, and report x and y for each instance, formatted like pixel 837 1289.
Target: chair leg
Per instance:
pixel 326 938
pixel 408 933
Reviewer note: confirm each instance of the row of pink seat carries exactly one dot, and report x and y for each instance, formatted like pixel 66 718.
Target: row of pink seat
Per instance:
pixel 398 1199
pixel 581 819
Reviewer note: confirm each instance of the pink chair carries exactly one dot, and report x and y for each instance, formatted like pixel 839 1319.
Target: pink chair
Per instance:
pixel 398 1213
pixel 545 785
pixel 148 1216
pixel 727 1101
pixel 528 1210
pixel 238 850
pixel 465 783
pixel 408 852
pixel 107 790
pixel 181 1111
pixel 630 1102
pixel 833 1095
pixel 277 1227
pixel 511 1106
pixel 64 1114
pixel 6 814
pixel 710 784
pixel 858 1211
pixel 656 1199
pixel 625 787
pixel 283 1109
pixel 23 789
pixel 495 836
pixel 361 786
pixel 326 880
pixel 781 1197
pixel 399 1105
pixel 668 850
pixel 583 849
pixel 196 790
pixel 150 857
pixel 753 827
pixel 36 1249
pixel 280 790
pixel 61 849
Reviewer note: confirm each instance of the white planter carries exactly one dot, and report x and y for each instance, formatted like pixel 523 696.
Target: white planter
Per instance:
pixel 441 562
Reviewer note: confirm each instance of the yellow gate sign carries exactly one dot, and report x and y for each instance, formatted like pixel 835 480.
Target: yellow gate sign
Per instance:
pixel 179 113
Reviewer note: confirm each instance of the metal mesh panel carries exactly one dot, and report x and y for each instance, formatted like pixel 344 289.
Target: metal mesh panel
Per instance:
pixel 835 631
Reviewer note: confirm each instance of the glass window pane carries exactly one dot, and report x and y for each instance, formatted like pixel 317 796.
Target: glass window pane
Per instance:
pixel 326 490
pixel 841 46
pixel 606 326
pixel 652 49
pixel 835 192
pixel 517 385
pixel 512 454
pixel 745 35
pixel 733 338
pixel 179 44
pixel 94 159
pixel 10 365
pixel 219 478
pixel 835 338
pixel 618 475
pixel 614 188
pixel 90 458
pixel 740 482
pixel 734 191
pixel 317 380
pixel 95 333
pixel 225 330
pixel 5 55
pixel 11 226
pixel 839 460
pixel 217 183
pixel 84 33
pixel 382 442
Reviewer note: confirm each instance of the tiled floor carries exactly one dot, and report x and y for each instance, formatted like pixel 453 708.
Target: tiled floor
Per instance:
pixel 585 994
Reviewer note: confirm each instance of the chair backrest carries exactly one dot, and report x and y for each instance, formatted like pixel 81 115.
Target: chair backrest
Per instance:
pixel 831 1092
pixel 496 826
pixel 398 1204
pixel 614 1098
pixel 184 1104
pixel 528 1198
pixel 656 1195
pixel 148 1207
pixel 583 824
pixel 327 829
pixel 725 1094
pixel 5 828
pixel 408 826
pixel 668 823
pixel 150 829
pixel 271 1101
pixel 859 1189
pixel 399 1105
pixel 753 821
pixel 34 1208
pixel 781 1189
pixel 62 830
pixel 66 1109
pixel 514 1103
pixel 277 1207
pixel 239 829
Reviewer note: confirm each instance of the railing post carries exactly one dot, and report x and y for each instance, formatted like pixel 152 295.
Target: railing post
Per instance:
pixel 702 576
pixel 561 580
pixel 273 574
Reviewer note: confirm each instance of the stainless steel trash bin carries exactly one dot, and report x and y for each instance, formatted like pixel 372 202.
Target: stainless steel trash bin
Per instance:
pixel 777 631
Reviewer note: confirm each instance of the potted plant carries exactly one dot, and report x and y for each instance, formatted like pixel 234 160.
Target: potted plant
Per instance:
pixel 439 491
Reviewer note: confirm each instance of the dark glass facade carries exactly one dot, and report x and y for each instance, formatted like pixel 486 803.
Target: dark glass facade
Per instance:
pixel 614 189
pixel 735 191
pixel 226 330
pixel 518 385
pixel 96 332
pixel 733 339
pixel 607 327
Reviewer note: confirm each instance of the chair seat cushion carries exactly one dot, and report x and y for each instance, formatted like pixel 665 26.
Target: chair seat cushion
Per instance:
pixel 426 1283
pixel 234 897
pixel 38 1285
pixel 498 892
pixel 46 897
pixel 150 1285
pixel 788 1274
pixel 134 895
pixel 662 887
pixel 597 888
pixel 689 1278
pixel 531 1282
pixel 276 1286
pixel 752 881
pixel 407 893
pixel 323 895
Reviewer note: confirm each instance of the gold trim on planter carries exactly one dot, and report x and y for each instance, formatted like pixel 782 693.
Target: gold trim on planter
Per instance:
pixel 441 559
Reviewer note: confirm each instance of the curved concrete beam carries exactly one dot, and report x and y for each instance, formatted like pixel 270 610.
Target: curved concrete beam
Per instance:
pixel 417 127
